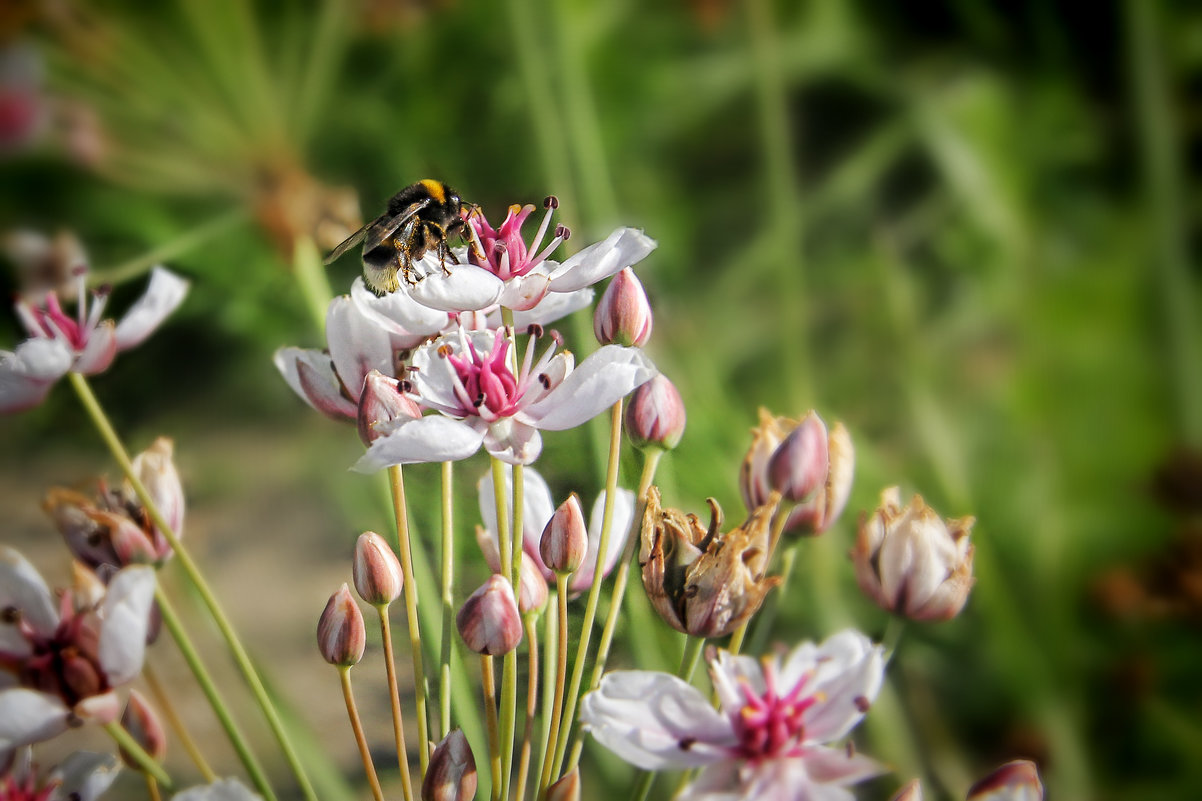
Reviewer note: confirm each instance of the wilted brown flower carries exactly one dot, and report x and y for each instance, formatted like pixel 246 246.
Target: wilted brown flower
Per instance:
pixel 701 581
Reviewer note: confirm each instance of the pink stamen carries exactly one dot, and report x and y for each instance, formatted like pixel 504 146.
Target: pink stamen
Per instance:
pixel 770 725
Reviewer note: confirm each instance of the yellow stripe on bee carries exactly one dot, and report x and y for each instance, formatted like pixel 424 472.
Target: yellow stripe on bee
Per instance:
pixel 437 189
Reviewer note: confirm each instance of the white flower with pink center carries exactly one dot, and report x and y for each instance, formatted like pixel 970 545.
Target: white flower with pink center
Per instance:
pixel 485 396
pixel 501 269
pixel 85 342
pixel 770 736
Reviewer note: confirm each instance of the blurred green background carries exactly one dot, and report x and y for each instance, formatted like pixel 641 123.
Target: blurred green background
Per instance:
pixel 964 228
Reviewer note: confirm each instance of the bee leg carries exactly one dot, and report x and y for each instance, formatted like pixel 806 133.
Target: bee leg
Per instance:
pixel 404 262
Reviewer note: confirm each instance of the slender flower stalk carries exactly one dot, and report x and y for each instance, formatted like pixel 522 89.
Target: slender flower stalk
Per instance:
pixel 561 669
pixel 209 688
pixel 152 788
pixel 163 700
pixel 488 680
pixel 352 711
pixel 398 729
pixel 531 621
pixel 590 609
pixel 241 658
pixel 146 763
pixel 448 598
pixel 397 483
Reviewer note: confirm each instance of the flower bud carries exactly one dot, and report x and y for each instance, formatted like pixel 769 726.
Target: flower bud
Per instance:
pixel 911 562
pixel 701 581
pixel 452 772
pixel 381 404
pixel 623 315
pixel 911 792
pixel 341 636
pixel 567 788
pixel 532 587
pixel 377 571
pixel 489 620
pixel 142 723
pixel 129 542
pixel 655 417
pixel 1013 781
pixel 155 468
pixel 565 537
pixel 799 464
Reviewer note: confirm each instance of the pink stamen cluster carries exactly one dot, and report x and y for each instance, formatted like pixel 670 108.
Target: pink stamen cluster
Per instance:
pixel 26 790
pixel 484 383
pixel 53 322
pixel 503 251
pixel 65 663
pixel 770 725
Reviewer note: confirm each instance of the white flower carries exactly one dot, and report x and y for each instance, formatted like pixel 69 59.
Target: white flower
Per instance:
pixel 768 739
pixel 82 776
pixel 537 512
pixel 483 400
pixel 220 790
pixel 86 343
pixel 69 656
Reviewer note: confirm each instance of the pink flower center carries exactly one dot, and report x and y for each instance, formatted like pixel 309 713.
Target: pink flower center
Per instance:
pixel 770 725
pixel 66 663
pixel 504 251
pixel 484 382
pixel 26 790
pixel 52 322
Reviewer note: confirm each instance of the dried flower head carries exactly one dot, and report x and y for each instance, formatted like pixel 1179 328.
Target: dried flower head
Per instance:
pixel 913 563
pixel 701 581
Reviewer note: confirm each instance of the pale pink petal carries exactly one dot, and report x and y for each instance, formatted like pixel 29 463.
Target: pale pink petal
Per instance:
pixel 311 375
pixel 622 248
pixel 100 350
pixel 536 510
pixel 125 621
pixel 400 315
pixel 554 372
pixel 28 716
pixel 836 766
pixel 165 292
pixel 357 345
pixel 433 438
pixel 729 672
pixel 555 306
pixel 466 288
pixel 849 673
pixel 434 376
pixel 27 374
pixel 623 513
pixel 220 790
pixel 717 782
pixel 85 776
pixel 604 378
pixel 524 292
pixel 22 588
pixel 656 721
pixel 15 645
pixel 512 441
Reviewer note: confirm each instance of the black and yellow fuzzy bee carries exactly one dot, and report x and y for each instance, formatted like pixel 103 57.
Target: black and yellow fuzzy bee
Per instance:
pixel 420 218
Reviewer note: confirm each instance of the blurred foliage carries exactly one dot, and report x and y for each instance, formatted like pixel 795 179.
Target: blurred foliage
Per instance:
pixel 962 227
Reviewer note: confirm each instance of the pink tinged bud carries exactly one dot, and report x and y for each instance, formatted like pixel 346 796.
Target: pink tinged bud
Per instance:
pixel 532 587
pixel 567 788
pixel 623 315
pixel 155 468
pixel 99 709
pixel 142 723
pixel 911 562
pixel 1013 781
pixel 911 792
pixel 377 571
pixel 452 772
pixel 799 464
pixel 129 541
pixel 565 537
pixel 489 621
pixel 382 404
pixel 655 417
pixel 341 636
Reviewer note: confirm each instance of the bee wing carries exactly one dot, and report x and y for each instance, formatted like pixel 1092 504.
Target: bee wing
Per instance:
pixel 348 243
pixel 385 226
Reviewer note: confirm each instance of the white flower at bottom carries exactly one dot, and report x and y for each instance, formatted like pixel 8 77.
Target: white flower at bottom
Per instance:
pixel 769 736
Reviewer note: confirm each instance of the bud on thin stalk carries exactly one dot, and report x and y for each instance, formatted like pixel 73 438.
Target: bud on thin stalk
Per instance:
pixel 489 621
pixel 341 635
pixel 656 416
pixel 142 723
pixel 623 315
pixel 567 788
pixel 377 571
pixel 452 772
pixel 1013 781
pixel 565 537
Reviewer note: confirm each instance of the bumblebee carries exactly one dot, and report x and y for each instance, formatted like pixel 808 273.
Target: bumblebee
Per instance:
pixel 420 218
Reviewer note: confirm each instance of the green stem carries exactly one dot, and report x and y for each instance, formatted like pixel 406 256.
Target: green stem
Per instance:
pixel 311 276
pixel 488 682
pixel 594 593
pixel 448 598
pixel 505 545
pixel 651 459
pixel 209 688
pixel 693 646
pixel 555 734
pixel 184 559
pixel 531 621
pixel 344 675
pixel 394 697
pixel 176 722
pixel 401 512
pixel 642 786
pixel 146 763
pixel 509 702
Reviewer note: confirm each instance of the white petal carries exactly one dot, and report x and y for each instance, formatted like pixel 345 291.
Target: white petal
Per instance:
pixel 622 248
pixel 99 351
pixel 165 292
pixel 525 292
pixel 27 374
pixel 512 441
pixel 467 288
pixel 433 438
pixel 555 306
pixel 619 530
pixel 849 674
pixel 536 510
pixel 125 619
pixel 357 345
pixel 728 673
pixel 85 776
pixel 398 314
pixel 220 790
pixel 434 377
pixel 656 721
pixel 836 766
pixel 600 381
pixel 311 375
pixel 28 716
pixel 22 588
